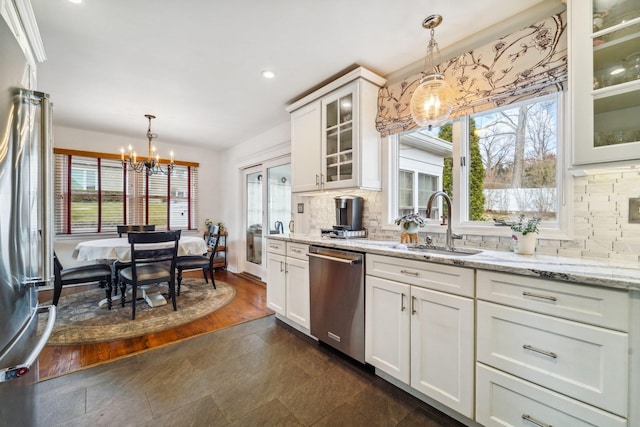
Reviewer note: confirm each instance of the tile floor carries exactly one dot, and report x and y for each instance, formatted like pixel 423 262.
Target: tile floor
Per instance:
pixel 258 373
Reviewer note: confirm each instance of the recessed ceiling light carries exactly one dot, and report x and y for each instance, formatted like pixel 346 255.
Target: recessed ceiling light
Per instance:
pixel 268 74
pixel 76 1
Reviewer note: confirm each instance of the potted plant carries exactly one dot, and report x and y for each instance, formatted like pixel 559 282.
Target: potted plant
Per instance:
pixel 524 234
pixel 410 222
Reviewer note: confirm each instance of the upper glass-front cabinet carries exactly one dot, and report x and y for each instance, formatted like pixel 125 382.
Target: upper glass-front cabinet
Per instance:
pixel 605 38
pixel 339 138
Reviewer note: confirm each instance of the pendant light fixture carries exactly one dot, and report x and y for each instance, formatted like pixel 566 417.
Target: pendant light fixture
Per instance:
pixel 151 165
pixel 432 101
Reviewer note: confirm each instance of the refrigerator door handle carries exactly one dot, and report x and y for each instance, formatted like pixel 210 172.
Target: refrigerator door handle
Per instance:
pixel 21 369
pixel 46 185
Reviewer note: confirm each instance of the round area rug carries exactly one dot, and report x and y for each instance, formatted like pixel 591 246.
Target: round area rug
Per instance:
pixel 81 321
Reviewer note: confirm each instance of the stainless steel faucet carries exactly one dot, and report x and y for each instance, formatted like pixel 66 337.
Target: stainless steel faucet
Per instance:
pixel 450 235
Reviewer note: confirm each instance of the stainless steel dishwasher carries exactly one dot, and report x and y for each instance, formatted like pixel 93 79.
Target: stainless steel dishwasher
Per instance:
pixel 336 280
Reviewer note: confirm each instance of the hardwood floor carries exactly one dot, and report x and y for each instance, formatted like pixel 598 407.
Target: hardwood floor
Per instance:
pixel 249 304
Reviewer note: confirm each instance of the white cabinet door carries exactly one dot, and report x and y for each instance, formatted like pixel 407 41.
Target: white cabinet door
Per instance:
pixel 442 348
pixel 276 283
pixel 305 148
pixel 387 326
pixel 298 291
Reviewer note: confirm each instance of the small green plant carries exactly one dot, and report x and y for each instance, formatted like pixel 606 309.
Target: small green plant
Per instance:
pixel 526 226
pixel 412 218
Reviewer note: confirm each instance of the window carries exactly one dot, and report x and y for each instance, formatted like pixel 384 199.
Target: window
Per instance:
pixel 497 164
pixel 94 194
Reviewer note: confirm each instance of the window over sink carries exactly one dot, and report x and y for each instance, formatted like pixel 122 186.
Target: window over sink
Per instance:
pixel 494 165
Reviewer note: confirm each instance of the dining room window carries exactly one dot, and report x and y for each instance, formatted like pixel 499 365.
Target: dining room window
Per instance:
pixel 93 194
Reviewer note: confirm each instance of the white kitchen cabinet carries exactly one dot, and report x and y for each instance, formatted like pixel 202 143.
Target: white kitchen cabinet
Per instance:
pixel 334 142
pixel 388 327
pixel 557 336
pixel 605 80
pixel 306 147
pixel 288 281
pixel 276 283
pixel 423 337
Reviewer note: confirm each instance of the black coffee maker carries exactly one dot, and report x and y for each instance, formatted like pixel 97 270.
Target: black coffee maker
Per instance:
pixel 348 213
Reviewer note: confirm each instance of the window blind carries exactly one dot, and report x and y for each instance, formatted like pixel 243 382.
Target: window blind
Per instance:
pixel 94 194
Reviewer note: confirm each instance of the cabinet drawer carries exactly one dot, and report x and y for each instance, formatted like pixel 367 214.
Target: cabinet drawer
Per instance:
pixel 297 250
pixel 585 362
pixel 453 280
pixel 589 304
pixel 504 400
pixel 276 246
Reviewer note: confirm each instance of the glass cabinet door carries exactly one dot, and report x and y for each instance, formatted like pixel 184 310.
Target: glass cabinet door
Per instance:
pixel 339 139
pixel 616 72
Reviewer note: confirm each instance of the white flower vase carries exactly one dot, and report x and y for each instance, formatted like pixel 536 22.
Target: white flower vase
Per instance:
pixel 410 227
pixel 524 244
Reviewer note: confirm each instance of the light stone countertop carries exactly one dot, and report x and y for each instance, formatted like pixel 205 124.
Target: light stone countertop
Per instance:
pixel 577 270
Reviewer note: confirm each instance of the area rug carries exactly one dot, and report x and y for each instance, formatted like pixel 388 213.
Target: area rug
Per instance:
pixel 81 321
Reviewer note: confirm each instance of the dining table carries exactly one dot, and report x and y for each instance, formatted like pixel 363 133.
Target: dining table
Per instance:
pixel 115 249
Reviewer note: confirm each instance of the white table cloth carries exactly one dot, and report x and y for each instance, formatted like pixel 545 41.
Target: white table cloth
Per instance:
pixel 119 248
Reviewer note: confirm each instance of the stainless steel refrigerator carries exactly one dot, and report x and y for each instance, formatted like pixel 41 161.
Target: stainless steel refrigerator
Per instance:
pixel 25 230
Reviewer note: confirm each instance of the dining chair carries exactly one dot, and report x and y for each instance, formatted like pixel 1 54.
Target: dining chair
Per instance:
pixel 204 262
pixel 124 229
pixel 78 275
pixel 150 264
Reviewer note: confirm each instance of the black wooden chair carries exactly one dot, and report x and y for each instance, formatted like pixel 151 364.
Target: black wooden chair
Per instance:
pixel 150 265
pixel 82 274
pixel 204 262
pixel 124 229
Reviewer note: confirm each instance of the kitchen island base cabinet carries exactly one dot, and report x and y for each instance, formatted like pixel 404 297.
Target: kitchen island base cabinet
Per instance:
pixel 505 400
pixel 422 337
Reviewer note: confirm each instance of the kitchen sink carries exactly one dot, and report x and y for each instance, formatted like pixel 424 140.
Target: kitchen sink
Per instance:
pixel 441 250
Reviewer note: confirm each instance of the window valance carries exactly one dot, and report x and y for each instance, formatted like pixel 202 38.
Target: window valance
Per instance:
pixel 526 64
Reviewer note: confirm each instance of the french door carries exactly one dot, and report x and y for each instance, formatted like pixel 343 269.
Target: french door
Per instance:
pixel 267 209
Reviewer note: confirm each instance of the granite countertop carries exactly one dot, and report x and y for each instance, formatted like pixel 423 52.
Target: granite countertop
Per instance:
pixel 576 270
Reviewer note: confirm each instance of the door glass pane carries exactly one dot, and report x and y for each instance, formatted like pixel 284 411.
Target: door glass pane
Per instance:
pixel 279 198
pixel 254 217
pixel 616 72
pixel 345 109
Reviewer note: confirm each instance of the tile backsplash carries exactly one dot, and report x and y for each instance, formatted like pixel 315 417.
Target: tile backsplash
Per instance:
pixel 601 227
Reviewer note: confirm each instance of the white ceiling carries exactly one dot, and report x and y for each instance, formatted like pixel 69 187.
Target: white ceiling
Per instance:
pixel 196 64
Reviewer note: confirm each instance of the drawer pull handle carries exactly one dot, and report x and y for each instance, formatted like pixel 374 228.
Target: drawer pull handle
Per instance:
pixel 298 251
pixel 547 297
pixel 402 307
pixel 413 305
pixel 410 273
pixel 534 421
pixel 273 247
pixel 537 350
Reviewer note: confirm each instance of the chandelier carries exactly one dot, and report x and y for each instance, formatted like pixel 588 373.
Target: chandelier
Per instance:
pixel 432 101
pixel 151 165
